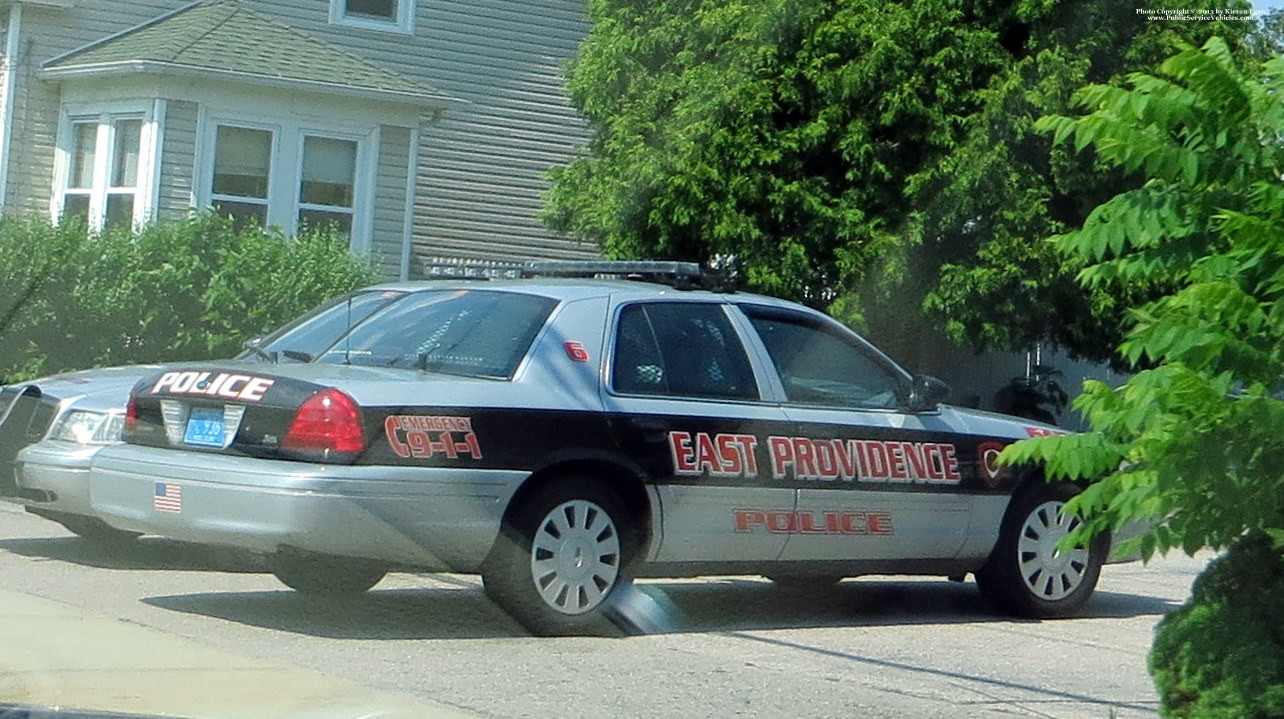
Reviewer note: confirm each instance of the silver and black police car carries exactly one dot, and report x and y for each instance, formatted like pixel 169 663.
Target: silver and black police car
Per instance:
pixel 561 436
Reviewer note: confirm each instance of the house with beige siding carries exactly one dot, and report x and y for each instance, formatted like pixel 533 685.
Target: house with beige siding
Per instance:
pixel 418 128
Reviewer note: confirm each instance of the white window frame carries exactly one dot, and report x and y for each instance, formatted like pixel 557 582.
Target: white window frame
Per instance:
pixel 357 186
pixel 403 23
pixel 286 168
pixel 207 169
pixel 105 118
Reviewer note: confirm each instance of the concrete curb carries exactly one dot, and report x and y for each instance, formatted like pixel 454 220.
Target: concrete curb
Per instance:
pixel 55 655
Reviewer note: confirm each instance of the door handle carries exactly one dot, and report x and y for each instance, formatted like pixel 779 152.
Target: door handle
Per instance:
pixel 652 429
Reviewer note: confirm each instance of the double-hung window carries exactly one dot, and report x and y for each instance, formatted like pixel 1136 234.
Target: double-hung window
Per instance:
pixel 102 183
pixel 327 184
pixel 291 177
pixel 242 168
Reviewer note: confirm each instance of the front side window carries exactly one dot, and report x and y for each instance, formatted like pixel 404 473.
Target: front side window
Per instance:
pixel 389 15
pixel 820 366
pixel 475 333
pixel 678 349
pixel 102 178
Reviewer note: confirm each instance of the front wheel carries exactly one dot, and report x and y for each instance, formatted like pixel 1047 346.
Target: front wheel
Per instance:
pixel 561 558
pixel 1027 574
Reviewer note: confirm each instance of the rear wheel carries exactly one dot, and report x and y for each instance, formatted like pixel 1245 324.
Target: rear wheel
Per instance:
pixel 1027 574
pixel 325 575
pixel 562 558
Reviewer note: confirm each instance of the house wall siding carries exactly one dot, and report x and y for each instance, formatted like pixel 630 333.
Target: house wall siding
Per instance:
pixel 178 160
pixel 480 181
pixel 46 33
pixel 482 170
pixel 389 221
pixel 480 178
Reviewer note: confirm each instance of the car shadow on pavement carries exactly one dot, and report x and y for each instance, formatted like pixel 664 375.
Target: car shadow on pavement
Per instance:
pixel 655 607
pixel 872 601
pixel 147 553
pixel 451 613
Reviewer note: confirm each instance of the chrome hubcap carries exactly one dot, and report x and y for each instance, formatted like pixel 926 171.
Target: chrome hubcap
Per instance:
pixel 1049 573
pixel 575 557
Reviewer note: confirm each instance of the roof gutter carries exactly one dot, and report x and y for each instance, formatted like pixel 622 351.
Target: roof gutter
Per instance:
pixel 123 68
pixel 11 47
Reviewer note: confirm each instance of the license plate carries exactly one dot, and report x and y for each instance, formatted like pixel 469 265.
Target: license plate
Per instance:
pixel 205 427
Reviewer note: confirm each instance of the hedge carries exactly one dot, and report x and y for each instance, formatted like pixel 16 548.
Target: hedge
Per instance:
pixel 188 289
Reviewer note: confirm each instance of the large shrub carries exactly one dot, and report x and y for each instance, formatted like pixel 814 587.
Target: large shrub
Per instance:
pixel 189 289
pixel 1221 656
pixel 1192 445
pixel 37 273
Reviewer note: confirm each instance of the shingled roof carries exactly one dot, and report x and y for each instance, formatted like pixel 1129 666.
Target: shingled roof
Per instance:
pixel 221 38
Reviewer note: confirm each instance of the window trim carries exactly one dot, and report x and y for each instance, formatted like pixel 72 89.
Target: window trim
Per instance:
pixel 403 23
pixel 273 152
pixel 362 201
pixel 105 118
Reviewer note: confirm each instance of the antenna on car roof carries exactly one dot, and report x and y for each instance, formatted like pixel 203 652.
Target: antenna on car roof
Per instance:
pixel 720 276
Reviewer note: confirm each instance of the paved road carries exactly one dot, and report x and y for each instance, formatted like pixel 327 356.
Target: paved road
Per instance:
pixel 723 647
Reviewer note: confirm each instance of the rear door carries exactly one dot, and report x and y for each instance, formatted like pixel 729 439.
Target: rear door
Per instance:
pixel 875 481
pixel 684 400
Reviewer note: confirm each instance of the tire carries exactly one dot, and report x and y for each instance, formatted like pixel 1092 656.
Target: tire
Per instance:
pixel 1026 575
pixel 806 582
pixel 324 575
pixel 562 559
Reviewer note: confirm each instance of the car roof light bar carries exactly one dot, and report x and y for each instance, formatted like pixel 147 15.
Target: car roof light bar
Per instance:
pixel 680 275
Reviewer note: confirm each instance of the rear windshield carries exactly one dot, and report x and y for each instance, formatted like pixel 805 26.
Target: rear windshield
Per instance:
pixel 478 333
pixel 311 333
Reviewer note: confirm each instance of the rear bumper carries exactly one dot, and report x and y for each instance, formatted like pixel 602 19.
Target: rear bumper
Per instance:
pixel 431 518
pixel 54 475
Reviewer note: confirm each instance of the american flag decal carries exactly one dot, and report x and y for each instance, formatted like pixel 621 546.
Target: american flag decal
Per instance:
pixel 169 498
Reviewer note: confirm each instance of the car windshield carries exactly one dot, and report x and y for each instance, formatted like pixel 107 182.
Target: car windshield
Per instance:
pixel 465 332
pixel 305 337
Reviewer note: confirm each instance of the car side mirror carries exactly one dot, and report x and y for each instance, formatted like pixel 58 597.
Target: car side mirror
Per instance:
pixel 927 393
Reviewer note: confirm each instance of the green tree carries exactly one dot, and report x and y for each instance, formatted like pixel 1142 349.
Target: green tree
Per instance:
pixel 781 131
pixel 984 209
pixel 1192 445
pixel 831 145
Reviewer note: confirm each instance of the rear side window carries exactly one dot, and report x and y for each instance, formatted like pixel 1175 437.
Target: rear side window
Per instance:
pixel 478 333
pixel 680 350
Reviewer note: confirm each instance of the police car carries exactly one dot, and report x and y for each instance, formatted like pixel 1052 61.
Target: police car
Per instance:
pixel 561 436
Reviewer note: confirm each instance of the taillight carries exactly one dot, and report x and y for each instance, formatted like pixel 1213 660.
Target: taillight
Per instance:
pixel 328 421
pixel 131 414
